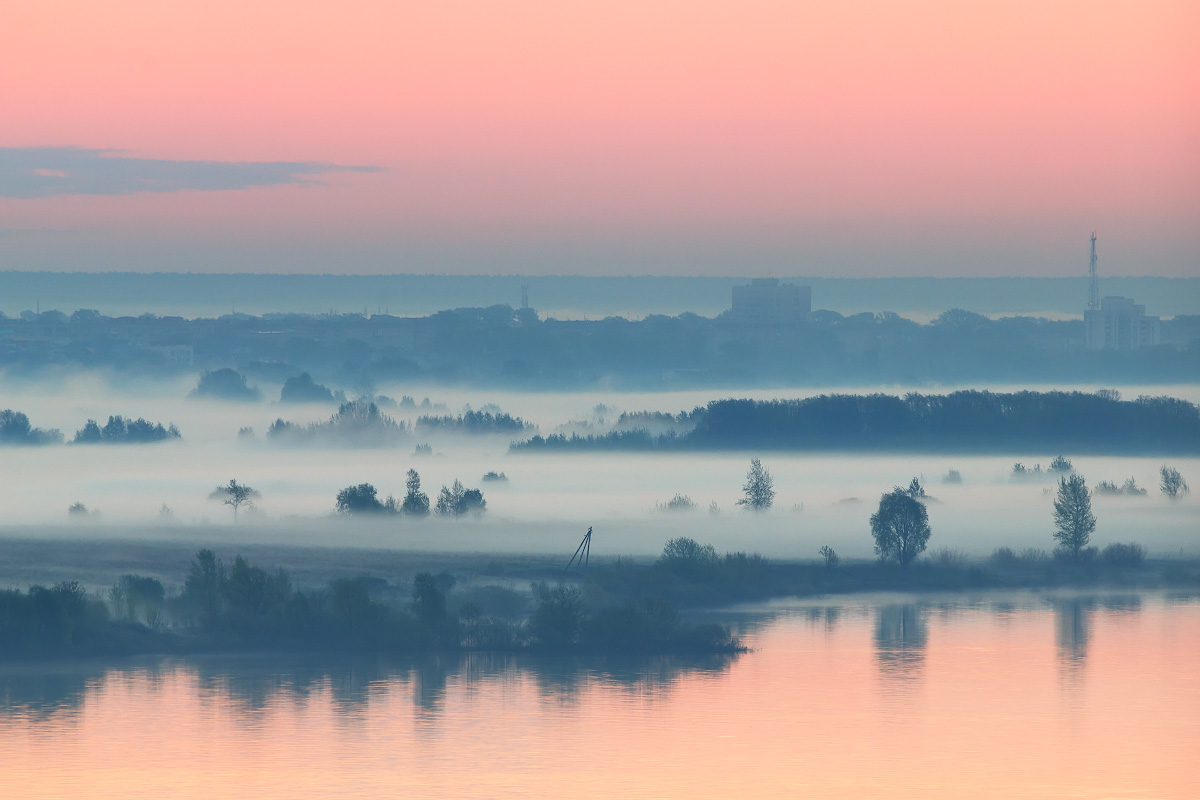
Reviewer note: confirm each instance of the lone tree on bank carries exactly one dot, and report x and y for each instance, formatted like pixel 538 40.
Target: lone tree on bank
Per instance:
pixel 1073 516
pixel 900 527
pixel 759 488
pixel 235 495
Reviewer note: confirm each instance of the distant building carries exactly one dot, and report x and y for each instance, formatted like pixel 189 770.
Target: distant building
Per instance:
pixel 1120 324
pixel 766 301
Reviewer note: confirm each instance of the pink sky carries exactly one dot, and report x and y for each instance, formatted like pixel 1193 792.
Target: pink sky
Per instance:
pixel 789 138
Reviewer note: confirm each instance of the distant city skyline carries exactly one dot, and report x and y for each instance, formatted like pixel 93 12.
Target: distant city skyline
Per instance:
pixel 850 139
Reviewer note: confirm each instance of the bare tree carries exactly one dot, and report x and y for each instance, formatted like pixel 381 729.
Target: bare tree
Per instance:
pixel 1073 516
pixel 1172 483
pixel 759 488
pixel 235 495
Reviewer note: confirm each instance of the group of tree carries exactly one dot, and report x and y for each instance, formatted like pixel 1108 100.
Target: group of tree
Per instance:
pixel 225 384
pixel 227 606
pixel 453 501
pixel 357 422
pixel 964 421
pixel 476 422
pixel 16 429
pixel 901 528
pixel 119 430
pixel 1129 488
pixel 303 389
pixel 456 500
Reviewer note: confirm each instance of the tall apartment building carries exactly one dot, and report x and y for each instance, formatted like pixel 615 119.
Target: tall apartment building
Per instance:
pixel 1120 324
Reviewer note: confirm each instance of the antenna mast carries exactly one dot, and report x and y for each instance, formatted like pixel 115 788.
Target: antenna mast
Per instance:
pixel 1094 294
pixel 583 554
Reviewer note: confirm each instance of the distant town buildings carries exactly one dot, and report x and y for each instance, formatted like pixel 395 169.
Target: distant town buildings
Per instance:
pixel 1115 323
pixel 1120 324
pixel 766 301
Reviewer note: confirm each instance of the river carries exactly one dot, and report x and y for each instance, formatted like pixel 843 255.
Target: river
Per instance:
pixel 999 695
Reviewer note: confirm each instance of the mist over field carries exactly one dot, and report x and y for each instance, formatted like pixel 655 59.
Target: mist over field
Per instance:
pixel 547 501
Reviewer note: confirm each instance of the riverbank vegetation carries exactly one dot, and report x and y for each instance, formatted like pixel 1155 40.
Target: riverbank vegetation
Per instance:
pixel 694 575
pixel 237 606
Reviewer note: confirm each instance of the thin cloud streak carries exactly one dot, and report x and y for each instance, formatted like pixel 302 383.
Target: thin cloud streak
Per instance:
pixel 32 172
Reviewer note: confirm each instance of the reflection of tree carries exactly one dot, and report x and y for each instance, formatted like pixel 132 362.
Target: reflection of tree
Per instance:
pixel 563 677
pixel 430 675
pixel 1122 603
pixel 43 693
pixel 250 686
pixel 46 690
pixel 900 638
pixel 1072 628
pixel 828 616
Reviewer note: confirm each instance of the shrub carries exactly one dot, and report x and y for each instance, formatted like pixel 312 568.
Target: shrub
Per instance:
pixel 687 557
pixel 1123 555
pixel 1087 555
pixel 1005 557
pixel 1030 556
pixel 948 557
pixel 680 502
pixel 1060 464
pixel 360 499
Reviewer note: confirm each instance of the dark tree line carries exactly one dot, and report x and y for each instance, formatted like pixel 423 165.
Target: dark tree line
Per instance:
pixel 502 346
pixel 119 430
pixel 355 421
pixel 15 428
pixel 965 421
pixel 477 422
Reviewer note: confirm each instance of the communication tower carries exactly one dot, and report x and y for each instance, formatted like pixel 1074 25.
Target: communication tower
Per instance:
pixel 524 295
pixel 1094 292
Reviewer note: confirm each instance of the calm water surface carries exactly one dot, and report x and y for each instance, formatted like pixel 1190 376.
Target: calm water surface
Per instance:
pixel 1023 695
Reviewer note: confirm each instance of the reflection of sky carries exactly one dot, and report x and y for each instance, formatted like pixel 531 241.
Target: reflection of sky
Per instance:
pixel 804 712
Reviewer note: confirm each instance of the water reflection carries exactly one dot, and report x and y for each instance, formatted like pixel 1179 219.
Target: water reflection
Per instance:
pixel 826 617
pixel 901 634
pixel 1073 621
pixel 250 686
pixel 1073 626
pixel 40 691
